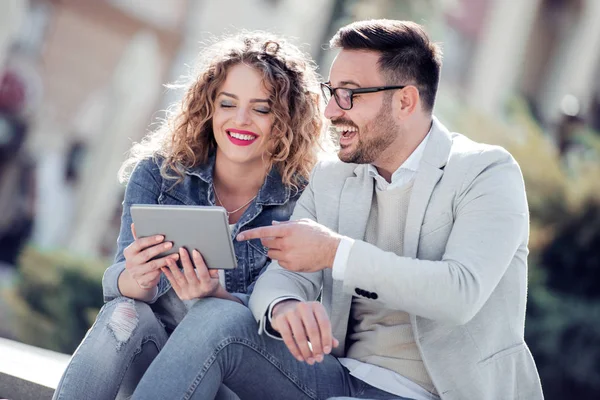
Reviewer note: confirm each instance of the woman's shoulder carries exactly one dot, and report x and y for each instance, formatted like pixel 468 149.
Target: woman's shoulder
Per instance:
pixel 300 183
pixel 148 168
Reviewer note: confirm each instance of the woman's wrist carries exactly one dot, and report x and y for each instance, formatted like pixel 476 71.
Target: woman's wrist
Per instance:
pixel 222 293
pixel 128 287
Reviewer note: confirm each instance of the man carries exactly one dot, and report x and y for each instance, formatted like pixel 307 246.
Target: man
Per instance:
pixel 416 243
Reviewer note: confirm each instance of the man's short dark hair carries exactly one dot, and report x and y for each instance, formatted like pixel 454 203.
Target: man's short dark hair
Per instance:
pixel 408 56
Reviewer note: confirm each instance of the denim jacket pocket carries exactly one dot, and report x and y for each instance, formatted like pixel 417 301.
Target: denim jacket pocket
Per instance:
pixel 258 258
pixel 257 245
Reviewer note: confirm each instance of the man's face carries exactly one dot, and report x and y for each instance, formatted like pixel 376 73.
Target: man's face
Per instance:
pixel 368 129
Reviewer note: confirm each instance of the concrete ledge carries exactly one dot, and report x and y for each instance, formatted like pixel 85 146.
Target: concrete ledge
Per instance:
pixel 28 372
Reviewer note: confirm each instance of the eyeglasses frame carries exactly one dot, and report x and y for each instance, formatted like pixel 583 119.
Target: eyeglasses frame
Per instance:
pixel 332 92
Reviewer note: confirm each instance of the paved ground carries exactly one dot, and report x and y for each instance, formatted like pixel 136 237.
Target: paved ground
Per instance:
pixel 28 372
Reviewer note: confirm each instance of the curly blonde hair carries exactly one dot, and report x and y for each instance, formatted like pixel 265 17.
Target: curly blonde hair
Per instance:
pixel 185 137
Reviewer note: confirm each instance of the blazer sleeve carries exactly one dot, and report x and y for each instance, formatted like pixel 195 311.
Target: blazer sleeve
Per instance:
pixel 277 282
pixel 491 221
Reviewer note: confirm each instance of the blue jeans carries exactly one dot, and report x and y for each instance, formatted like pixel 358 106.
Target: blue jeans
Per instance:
pixel 115 353
pixel 197 361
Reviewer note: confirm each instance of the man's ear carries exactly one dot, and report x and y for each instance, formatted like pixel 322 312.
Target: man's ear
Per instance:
pixel 406 101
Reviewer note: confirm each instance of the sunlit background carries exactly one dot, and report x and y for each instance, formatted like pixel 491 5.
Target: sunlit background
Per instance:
pixel 83 79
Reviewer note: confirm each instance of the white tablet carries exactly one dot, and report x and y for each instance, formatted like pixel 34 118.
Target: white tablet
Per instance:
pixel 203 228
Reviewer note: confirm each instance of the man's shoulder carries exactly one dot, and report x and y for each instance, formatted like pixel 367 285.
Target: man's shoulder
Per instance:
pixel 469 159
pixel 465 150
pixel 332 170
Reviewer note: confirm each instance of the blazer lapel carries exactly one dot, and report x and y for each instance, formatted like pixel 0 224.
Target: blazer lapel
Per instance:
pixel 431 168
pixel 355 205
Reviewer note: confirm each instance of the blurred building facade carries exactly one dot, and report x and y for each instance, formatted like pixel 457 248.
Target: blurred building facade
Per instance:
pixel 101 67
pixel 543 50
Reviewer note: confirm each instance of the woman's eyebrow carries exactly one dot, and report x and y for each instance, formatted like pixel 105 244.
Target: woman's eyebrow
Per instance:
pixel 251 101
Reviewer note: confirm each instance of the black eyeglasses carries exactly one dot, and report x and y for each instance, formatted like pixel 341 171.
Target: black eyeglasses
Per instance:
pixel 343 96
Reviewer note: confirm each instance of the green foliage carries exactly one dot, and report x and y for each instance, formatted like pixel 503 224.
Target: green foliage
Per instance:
pixel 572 259
pixel 56 298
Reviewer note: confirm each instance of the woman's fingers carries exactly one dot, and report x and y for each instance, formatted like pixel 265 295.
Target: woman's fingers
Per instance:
pixel 176 273
pixel 171 279
pixel 188 268
pixel 150 252
pixel 201 268
pixel 195 281
pixel 138 245
pixel 158 263
pixel 149 280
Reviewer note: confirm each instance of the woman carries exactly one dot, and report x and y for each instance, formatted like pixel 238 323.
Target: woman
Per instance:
pixel 245 137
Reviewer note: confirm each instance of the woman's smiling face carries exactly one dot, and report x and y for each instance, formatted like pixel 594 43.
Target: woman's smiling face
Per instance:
pixel 242 119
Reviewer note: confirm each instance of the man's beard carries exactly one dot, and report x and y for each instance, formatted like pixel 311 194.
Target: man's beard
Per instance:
pixel 374 139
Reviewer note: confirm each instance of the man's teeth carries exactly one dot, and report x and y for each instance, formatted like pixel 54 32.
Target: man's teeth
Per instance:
pixel 345 129
pixel 242 136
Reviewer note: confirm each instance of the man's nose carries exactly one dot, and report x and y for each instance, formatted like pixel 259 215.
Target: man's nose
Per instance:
pixel 332 110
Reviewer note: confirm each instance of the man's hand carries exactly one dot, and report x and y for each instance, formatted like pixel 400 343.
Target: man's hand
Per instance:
pixel 305 329
pixel 301 246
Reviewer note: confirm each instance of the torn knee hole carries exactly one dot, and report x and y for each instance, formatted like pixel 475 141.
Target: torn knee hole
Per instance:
pixel 123 321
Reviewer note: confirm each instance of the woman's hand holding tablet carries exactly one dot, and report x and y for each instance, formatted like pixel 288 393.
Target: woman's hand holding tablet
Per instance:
pixel 142 267
pixel 196 281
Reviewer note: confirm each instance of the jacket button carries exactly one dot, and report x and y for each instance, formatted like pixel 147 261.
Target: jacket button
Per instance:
pixel 374 296
pixel 358 291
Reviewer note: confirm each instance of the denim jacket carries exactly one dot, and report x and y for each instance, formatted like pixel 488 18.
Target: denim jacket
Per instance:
pixel 274 201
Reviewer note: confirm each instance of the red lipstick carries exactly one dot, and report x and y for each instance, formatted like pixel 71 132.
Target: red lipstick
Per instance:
pixel 241 142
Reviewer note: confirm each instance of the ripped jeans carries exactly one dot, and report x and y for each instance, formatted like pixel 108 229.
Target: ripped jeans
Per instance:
pixel 117 351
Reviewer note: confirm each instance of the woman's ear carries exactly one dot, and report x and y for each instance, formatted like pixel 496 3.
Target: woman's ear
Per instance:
pixel 406 101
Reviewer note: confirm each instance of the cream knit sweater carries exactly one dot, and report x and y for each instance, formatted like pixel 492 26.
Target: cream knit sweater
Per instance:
pixel 381 336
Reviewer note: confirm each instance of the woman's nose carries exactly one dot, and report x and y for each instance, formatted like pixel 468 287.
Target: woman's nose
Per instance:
pixel 243 116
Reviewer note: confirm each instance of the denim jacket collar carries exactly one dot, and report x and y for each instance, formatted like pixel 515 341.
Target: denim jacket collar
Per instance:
pixel 272 192
pixel 203 171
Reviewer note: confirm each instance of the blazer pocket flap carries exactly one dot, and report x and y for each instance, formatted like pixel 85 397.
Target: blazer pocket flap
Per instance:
pixel 503 353
pixel 433 223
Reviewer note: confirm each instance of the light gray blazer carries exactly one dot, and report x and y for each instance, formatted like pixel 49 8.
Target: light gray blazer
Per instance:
pixel 463 276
